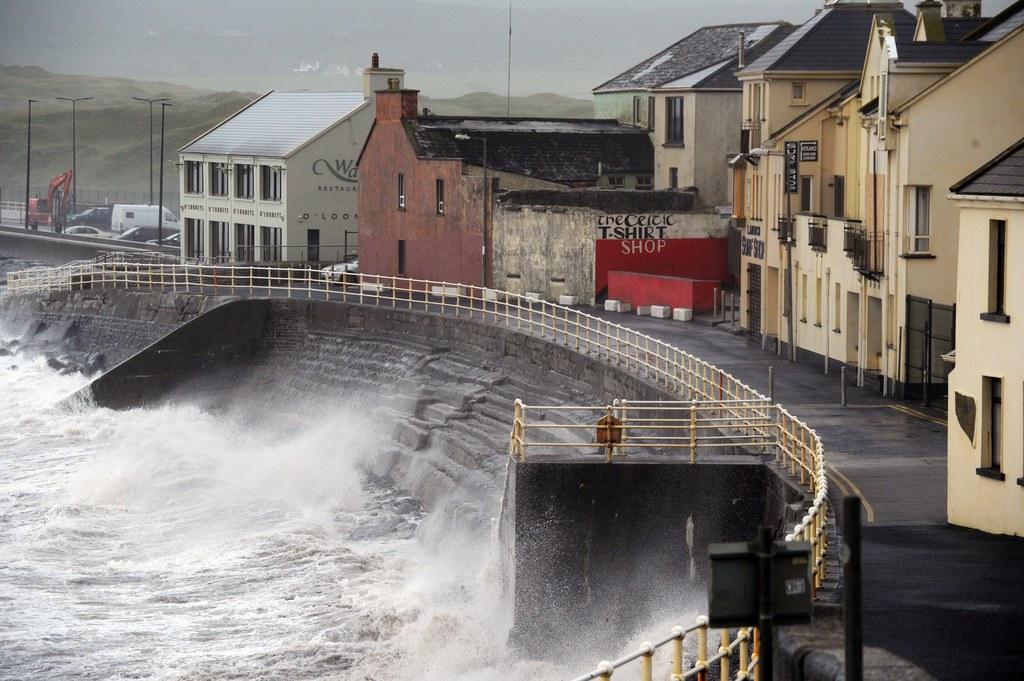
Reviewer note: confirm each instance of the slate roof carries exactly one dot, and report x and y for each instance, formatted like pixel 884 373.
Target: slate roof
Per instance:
pixel 1002 176
pixel 1000 25
pixel 554 149
pixel 834 39
pixel 710 46
pixel 276 124
pixel 955 28
pixel 947 52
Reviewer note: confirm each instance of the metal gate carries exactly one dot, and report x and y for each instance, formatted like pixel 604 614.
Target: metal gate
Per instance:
pixel 754 301
pixel 931 333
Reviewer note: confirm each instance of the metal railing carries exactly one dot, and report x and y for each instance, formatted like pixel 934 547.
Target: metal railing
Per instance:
pixel 712 403
pixel 817 232
pixel 785 229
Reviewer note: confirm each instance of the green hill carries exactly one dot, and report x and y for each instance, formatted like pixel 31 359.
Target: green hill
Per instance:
pixel 113 130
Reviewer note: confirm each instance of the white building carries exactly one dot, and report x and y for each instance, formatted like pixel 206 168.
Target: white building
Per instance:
pixel 277 181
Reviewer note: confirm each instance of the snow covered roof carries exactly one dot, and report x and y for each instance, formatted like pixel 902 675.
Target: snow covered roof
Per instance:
pixel 277 124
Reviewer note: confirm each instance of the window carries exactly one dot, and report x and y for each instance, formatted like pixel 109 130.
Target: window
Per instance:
pixel 674 120
pixel 839 188
pixel 220 245
pixel 992 445
pixel 806 185
pixel 636 109
pixel 401 256
pixel 193 238
pixel 401 191
pixel 996 271
pixel 270 183
pixel 313 245
pixel 245 242
pixel 644 182
pixel 440 197
pixel 270 240
pixel 650 113
pixel 193 177
pixel 243 181
pixel 817 301
pixel 798 92
pixel 218 179
pixel 616 181
pixel 803 297
pixel 127 214
pixel 673 178
pixel 836 308
pixel 920 218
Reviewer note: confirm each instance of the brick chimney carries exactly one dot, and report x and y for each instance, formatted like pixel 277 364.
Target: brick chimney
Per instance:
pixel 395 104
pixel 962 8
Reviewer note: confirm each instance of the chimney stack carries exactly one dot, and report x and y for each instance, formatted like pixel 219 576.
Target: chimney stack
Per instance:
pixel 741 59
pixel 376 79
pixel 375 61
pixel 962 8
pixel 929 18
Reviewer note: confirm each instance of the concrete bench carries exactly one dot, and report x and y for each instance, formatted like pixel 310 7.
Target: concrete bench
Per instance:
pixel 567 300
pixel 534 296
pixel 447 291
pixel 661 311
pixel 617 306
pixel 682 314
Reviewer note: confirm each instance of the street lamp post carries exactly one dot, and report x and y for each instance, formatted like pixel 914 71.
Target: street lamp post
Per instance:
pixel 151 103
pixel 28 159
pixel 483 227
pixel 160 208
pixel 74 155
pixel 789 283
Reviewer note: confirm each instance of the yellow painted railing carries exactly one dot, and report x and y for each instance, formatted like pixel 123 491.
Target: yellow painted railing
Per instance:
pixel 712 403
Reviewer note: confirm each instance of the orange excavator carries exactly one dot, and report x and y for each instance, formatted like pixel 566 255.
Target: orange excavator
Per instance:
pixel 53 210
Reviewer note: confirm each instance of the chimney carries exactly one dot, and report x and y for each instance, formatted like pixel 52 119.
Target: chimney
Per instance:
pixel 962 8
pixel 376 78
pixel 741 59
pixel 929 21
pixel 395 104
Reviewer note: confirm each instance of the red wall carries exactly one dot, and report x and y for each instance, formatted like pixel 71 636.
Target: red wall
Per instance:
pixel 653 289
pixel 692 258
pixel 441 247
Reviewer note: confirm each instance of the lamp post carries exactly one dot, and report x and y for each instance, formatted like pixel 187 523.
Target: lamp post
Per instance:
pixel 790 303
pixel 74 155
pixel 151 103
pixel 28 159
pixel 160 207
pixel 483 227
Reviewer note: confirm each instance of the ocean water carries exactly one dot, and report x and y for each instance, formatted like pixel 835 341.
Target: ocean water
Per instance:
pixel 177 543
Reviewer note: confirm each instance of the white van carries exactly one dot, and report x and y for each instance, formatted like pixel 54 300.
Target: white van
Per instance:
pixel 124 216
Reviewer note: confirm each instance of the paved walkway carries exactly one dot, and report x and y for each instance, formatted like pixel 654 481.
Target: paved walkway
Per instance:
pixel 949 600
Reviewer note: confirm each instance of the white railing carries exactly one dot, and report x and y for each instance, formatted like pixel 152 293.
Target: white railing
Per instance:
pixel 710 399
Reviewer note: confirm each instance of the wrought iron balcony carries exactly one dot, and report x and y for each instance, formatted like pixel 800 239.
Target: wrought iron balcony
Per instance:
pixel 785 230
pixel 868 252
pixel 850 232
pixel 817 233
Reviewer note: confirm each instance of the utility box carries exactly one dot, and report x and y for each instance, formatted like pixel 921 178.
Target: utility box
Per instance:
pixel 733 590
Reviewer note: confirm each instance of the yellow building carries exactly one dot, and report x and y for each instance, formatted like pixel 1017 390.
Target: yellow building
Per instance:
pixel 986 437
pixel 871 247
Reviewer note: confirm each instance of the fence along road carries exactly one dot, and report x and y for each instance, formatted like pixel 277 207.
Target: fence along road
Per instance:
pixel 710 400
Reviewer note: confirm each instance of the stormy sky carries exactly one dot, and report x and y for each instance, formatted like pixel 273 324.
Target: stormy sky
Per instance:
pixel 448 47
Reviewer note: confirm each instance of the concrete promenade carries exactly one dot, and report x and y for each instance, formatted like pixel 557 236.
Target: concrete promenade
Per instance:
pixel 948 599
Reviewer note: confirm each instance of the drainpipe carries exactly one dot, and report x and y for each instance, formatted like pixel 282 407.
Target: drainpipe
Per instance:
pixel 828 311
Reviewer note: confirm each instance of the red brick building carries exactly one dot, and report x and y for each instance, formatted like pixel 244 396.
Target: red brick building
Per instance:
pixel 422 208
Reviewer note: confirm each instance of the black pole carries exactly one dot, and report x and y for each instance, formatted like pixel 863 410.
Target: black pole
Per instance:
pixel 28 160
pixel 927 363
pixel 854 657
pixel 160 208
pixel 765 605
pixel 151 153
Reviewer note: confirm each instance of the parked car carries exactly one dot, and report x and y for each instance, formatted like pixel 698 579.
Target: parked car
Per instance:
pixel 172 240
pixel 339 270
pixel 144 234
pixel 87 230
pixel 126 216
pixel 97 216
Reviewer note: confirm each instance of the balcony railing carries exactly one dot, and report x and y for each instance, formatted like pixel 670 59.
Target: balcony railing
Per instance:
pixel 867 250
pixel 817 233
pixel 850 232
pixel 785 230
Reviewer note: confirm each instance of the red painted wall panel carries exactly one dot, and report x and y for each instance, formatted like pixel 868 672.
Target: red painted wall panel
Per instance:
pixel 651 289
pixel 691 258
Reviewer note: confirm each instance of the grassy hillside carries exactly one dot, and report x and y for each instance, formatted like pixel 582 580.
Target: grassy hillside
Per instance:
pixel 113 130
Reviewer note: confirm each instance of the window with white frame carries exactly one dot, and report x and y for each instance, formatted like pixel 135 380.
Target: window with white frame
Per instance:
pixel 194 238
pixel 218 179
pixel 270 240
pixel 244 181
pixel 919 219
pixel 245 242
pixel 193 177
pixel 270 183
pixel 674 120
pixel 220 243
pixel 798 92
pixel 401 191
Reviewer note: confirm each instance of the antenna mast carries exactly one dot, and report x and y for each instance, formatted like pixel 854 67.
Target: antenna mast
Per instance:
pixel 508 80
